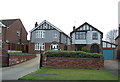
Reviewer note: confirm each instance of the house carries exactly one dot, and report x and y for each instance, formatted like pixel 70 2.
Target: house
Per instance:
pixel 87 36
pixel 117 41
pixel 14 35
pixel 46 36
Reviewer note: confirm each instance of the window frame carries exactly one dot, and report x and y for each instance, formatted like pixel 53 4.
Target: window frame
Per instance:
pixel 80 35
pixel 94 36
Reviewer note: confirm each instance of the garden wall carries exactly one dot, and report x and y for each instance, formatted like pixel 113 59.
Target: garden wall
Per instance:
pixel 57 62
pixel 16 59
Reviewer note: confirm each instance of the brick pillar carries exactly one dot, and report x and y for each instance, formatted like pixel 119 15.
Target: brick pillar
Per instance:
pixel 31 48
pixel 5 56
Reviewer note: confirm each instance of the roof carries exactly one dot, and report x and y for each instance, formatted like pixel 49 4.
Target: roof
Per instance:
pixel 117 37
pixel 89 25
pixel 8 22
pixel 51 25
pixel 2 25
pixel 110 43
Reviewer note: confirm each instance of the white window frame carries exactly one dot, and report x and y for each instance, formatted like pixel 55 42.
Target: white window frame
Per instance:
pixel 37 46
pixel 40 34
pixel 94 36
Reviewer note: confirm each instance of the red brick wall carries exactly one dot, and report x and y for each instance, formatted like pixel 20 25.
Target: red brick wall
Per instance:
pixel 4 55
pixel 16 59
pixel 92 63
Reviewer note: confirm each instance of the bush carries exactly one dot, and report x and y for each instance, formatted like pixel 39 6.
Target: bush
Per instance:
pixel 85 49
pixel 72 54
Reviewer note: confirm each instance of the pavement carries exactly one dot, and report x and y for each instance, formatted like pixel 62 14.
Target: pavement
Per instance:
pixel 112 66
pixel 20 70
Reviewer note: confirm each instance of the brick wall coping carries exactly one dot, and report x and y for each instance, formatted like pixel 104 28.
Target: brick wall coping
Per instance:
pixel 73 58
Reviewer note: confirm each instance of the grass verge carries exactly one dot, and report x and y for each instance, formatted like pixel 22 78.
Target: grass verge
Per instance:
pixel 70 74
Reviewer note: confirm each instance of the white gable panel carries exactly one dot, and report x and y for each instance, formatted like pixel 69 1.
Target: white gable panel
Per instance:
pixel 81 28
pixel 87 27
pixel 84 27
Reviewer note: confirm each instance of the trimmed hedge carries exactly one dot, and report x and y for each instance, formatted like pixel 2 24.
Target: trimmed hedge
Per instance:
pixel 72 54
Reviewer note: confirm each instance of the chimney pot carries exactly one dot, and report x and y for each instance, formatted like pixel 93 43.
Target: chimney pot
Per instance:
pixel 36 24
pixel 73 28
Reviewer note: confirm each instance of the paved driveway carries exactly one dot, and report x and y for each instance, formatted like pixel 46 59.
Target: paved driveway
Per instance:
pixel 112 66
pixel 17 71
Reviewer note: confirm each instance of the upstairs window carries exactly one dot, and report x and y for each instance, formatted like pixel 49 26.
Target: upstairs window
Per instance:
pixel 55 35
pixel 40 34
pixel 18 33
pixel 80 35
pixel 95 36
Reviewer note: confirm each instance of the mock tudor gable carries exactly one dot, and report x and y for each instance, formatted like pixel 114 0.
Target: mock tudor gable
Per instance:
pixel 86 27
pixel 45 25
pixel 87 36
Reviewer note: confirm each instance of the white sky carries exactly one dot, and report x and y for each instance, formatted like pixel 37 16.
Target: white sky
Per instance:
pixel 64 14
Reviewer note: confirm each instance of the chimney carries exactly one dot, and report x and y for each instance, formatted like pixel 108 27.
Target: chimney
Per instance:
pixel 36 24
pixel 73 28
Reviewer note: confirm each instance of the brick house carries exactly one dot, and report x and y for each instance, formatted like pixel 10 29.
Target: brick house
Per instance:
pixel 87 36
pixel 14 34
pixel 46 36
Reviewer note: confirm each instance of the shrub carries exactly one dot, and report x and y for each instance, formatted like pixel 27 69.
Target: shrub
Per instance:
pixel 72 54
pixel 85 49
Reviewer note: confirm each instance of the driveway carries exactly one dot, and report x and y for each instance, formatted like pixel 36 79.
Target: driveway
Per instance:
pixel 111 66
pixel 17 71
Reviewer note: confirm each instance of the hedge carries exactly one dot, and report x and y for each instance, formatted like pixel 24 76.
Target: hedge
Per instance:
pixel 72 54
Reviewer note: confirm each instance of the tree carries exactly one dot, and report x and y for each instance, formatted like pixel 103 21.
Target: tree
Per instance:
pixel 111 35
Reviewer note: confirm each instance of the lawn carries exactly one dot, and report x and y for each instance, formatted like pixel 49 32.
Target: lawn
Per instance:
pixel 69 74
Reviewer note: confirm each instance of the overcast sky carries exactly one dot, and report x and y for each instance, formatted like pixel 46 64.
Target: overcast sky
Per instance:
pixel 64 14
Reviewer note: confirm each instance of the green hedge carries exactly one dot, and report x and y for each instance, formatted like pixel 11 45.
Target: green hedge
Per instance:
pixel 72 54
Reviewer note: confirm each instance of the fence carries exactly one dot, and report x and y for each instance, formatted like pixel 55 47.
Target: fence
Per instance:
pixel 18 47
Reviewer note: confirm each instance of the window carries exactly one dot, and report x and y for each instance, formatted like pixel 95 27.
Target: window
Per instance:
pixel 80 35
pixel 38 46
pixel 95 36
pixel 18 33
pixel 40 34
pixel 0 43
pixel 55 35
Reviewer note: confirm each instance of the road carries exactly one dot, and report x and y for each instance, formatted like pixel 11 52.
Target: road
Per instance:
pixel 17 71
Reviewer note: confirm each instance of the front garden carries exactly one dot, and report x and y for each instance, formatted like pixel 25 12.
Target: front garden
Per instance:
pixel 71 65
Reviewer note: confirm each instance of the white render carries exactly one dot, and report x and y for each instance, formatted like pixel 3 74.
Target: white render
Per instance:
pixel 89 34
